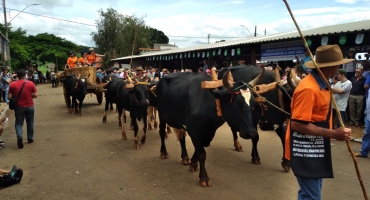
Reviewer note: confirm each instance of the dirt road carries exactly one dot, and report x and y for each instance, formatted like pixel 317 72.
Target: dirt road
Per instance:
pixel 81 158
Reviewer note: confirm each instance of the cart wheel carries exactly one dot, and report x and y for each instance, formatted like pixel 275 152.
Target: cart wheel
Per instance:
pixel 99 97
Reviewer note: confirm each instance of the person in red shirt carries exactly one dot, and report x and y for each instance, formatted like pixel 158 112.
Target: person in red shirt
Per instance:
pixel 90 58
pixel 24 107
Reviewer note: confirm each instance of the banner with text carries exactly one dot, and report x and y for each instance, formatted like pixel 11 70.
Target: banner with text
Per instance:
pixel 281 51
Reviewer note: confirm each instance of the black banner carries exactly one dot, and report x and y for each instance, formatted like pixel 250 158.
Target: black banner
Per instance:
pixel 311 155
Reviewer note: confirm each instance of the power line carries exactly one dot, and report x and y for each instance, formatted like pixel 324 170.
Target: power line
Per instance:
pixel 215 37
pixel 65 20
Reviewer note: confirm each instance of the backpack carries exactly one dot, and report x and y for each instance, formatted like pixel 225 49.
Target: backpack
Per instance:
pixel 52 76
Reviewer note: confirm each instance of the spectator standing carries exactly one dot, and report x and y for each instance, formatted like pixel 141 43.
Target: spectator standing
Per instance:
pixel 35 78
pixel 205 67
pixel 6 79
pixel 53 78
pixel 341 92
pixel 365 146
pixel 357 98
pixel 350 67
pixel 24 109
pixel 305 59
pixel 151 74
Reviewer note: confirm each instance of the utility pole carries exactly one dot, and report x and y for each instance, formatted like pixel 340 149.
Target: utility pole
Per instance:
pixel 6 35
pixel 209 35
pixel 255 31
pixel 265 31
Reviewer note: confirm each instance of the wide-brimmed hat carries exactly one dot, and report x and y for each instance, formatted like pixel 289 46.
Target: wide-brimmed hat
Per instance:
pixel 351 50
pixel 328 56
pixel 139 69
pixel 91 49
pixel 165 71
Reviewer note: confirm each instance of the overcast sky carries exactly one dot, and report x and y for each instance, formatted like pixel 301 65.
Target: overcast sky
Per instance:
pixel 222 19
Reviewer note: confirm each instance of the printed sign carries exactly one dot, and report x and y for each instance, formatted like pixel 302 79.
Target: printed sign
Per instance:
pixel 280 51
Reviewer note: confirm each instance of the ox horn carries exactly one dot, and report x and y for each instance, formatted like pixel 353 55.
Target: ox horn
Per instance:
pixel 293 75
pixel 227 80
pixel 258 78
pixel 290 82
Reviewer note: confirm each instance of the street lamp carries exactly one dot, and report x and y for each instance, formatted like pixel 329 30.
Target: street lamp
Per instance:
pixel 247 30
pixel 6 27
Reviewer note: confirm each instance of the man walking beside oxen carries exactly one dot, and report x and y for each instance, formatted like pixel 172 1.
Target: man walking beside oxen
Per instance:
pixel 310 123
pixel 25 91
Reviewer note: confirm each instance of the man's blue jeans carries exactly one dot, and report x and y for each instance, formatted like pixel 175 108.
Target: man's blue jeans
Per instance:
pixel 20 114
pixel 365 148
pixel 310 188
pixel 6 94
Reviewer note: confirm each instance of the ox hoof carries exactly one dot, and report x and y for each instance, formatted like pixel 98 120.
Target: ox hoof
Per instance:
pixel 239 149
pixel 204 183
pixel 164 155
pixel 143 140
pixel 136 143
pixel 104 120
pixel 256 161
pixel 193 167
pixel 185 161
pixel 285 165
pixel 149 127
pixel 155 125
pixel 124 136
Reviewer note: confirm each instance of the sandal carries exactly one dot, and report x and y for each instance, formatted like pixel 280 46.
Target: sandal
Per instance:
pixel 358 155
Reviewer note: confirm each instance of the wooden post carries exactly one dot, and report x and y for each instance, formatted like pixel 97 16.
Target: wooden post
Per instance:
pixel 253 57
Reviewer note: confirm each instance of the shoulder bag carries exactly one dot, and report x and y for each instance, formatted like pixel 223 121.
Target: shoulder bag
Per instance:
pixel 13 101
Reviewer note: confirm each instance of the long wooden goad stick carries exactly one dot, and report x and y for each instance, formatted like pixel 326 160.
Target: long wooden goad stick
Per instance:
pixel 332 99
pixel 133 47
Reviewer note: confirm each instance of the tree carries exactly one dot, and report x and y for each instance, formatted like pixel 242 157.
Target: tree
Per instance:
pixel 42 48
pixel 50 48
pixel 157 36
pixel 117 32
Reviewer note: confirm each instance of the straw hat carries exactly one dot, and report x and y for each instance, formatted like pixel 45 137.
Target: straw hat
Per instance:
pixel 139 69
pixel 165 71
pixel 91 49
pixel 328 56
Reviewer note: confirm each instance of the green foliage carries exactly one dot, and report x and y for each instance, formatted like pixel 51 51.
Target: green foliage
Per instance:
pixel 41 48
pixel 157 36
pixel 116 32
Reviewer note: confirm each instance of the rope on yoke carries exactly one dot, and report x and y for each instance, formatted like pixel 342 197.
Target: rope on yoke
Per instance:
pixel 245 84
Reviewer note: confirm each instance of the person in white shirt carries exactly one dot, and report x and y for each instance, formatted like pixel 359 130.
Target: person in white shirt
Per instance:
pixel 341 92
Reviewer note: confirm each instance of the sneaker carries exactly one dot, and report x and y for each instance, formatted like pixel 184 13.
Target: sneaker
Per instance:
pixel 18 175
pixel 30 140
pixel 14 170
pixel 20 143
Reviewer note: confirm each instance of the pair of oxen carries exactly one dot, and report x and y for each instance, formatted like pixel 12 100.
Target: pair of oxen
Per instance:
pixel 199 104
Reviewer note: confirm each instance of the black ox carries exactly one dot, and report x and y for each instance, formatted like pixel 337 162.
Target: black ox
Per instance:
pixel 264 114
pixel 130 97
pixel 76 88
pixel 183 104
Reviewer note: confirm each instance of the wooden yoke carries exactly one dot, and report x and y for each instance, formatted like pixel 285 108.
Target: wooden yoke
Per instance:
pixel 218 104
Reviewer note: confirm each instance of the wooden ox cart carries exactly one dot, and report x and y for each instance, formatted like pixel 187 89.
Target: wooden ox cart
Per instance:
pixel 94 84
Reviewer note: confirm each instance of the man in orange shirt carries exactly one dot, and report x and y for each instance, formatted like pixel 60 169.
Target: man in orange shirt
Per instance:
pixel 72 60
pixel 90 58
pixel 309 130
